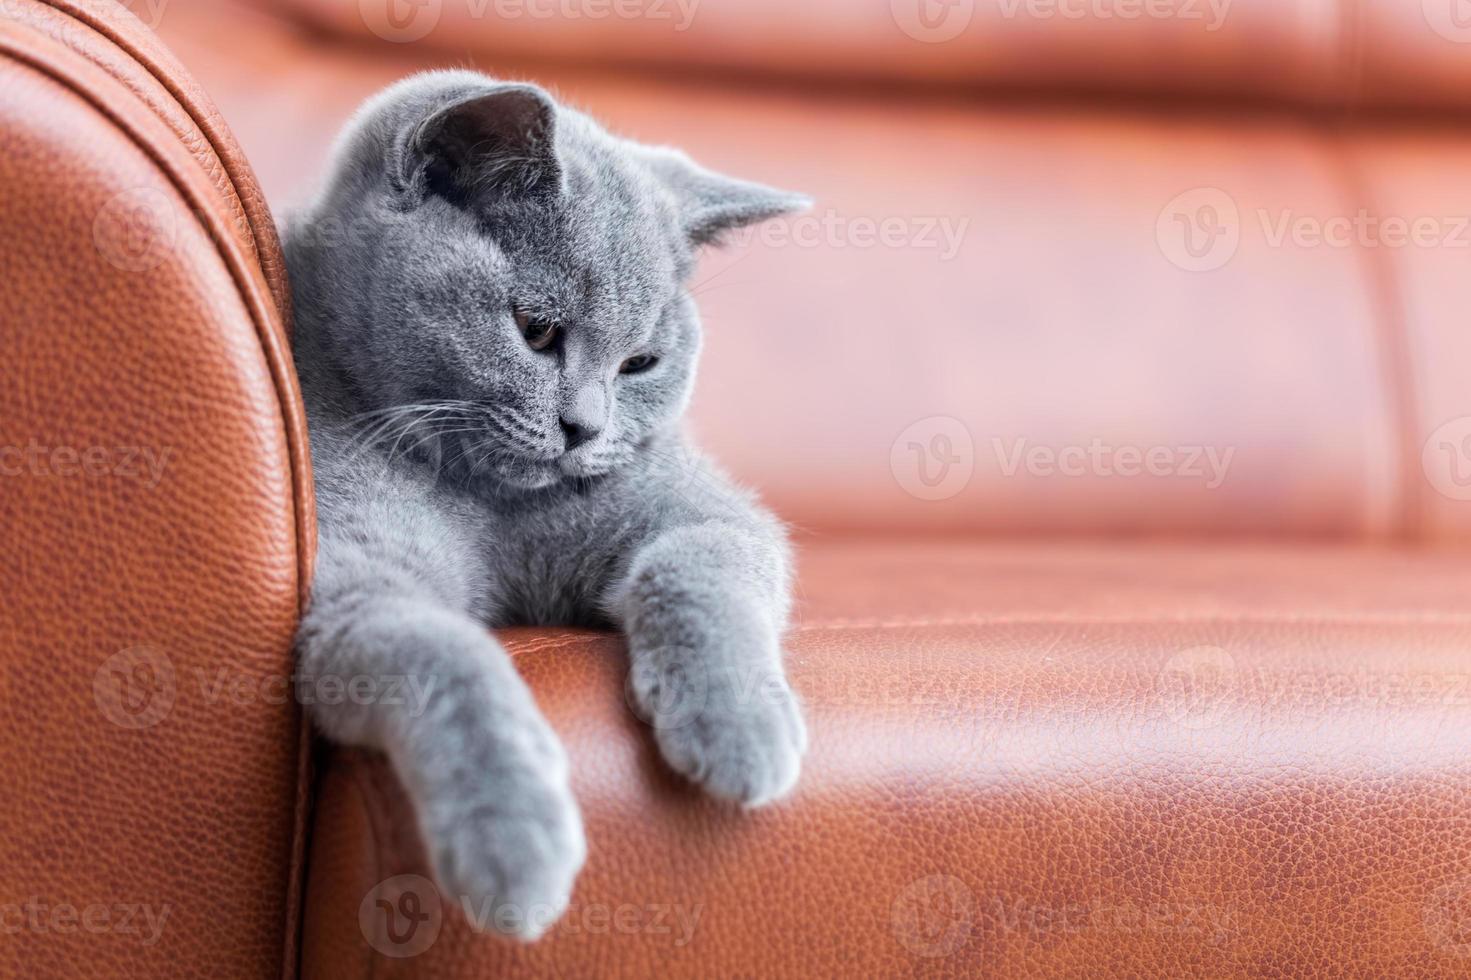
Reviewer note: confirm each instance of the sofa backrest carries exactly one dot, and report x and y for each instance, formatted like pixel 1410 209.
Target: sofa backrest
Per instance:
pixel 1085 266
pixel 1341 53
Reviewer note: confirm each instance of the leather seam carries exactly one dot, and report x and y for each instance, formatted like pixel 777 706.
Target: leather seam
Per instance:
pixel 1385 292
pixel 1320 619
pixel 553 643
pixel 1049 619
pixel 374 808
pixel 261 240
pixel 97 38
pixel 1391 332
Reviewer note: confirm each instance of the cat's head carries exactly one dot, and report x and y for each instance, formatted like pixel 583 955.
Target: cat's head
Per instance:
pixel 479 245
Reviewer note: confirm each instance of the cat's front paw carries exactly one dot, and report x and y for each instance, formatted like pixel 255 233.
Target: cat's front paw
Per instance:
pixel 739 734
pixel 507 854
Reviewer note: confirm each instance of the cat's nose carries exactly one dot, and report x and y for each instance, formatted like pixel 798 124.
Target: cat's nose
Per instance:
pixel 576 433
pixel 583 415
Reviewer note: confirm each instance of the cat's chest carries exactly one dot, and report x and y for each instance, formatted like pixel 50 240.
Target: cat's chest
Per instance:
pixel 550 563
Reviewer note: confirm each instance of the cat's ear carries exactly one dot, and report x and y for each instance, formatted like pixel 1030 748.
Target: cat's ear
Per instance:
pixel 711 203
pixel 500 143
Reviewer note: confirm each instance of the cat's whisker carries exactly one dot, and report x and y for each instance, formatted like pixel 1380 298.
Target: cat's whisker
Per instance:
pixel 418 406
pixel 431 419
pixel 441 434
pixel 385 418
pixel 394 416
pixel 714 494
pixel 703 285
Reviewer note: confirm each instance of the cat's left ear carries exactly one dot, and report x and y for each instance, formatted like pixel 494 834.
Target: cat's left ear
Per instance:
pixel 711 203
pixel 500 141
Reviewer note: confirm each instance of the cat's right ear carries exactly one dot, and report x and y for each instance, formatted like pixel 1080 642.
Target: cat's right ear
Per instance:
pixel 712 204
pixel 493 146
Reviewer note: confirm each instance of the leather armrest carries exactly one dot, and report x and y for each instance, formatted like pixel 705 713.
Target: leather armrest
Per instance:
pixel 155 511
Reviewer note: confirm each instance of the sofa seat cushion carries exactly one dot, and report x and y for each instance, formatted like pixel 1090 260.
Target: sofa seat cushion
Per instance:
pixel 1070 759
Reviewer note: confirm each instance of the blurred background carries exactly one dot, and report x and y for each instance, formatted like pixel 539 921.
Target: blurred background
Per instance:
pixel 1111 267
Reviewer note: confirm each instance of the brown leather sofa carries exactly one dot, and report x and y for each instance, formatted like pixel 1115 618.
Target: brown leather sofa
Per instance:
pixel 1116 388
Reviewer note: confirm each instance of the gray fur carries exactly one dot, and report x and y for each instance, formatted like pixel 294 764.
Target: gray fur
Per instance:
pixel 453 201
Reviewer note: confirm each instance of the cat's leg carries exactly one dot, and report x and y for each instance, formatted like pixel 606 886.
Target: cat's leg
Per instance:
pixel 390 627
pixel 704 600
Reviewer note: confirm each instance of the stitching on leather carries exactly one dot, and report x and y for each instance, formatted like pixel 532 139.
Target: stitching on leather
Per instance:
pixel 1388 618
pixel 554 643
pixel 1044 619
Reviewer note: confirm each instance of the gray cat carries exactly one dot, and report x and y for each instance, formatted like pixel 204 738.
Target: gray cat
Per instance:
pixel 496 344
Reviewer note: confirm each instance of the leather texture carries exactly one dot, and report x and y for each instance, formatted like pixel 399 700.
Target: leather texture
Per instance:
pixel 1029 760
pixel 157 519
pixel 111 37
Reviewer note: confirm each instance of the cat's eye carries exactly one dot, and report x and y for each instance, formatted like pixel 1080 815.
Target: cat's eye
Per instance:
pixel 636 364
pixel 540 334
